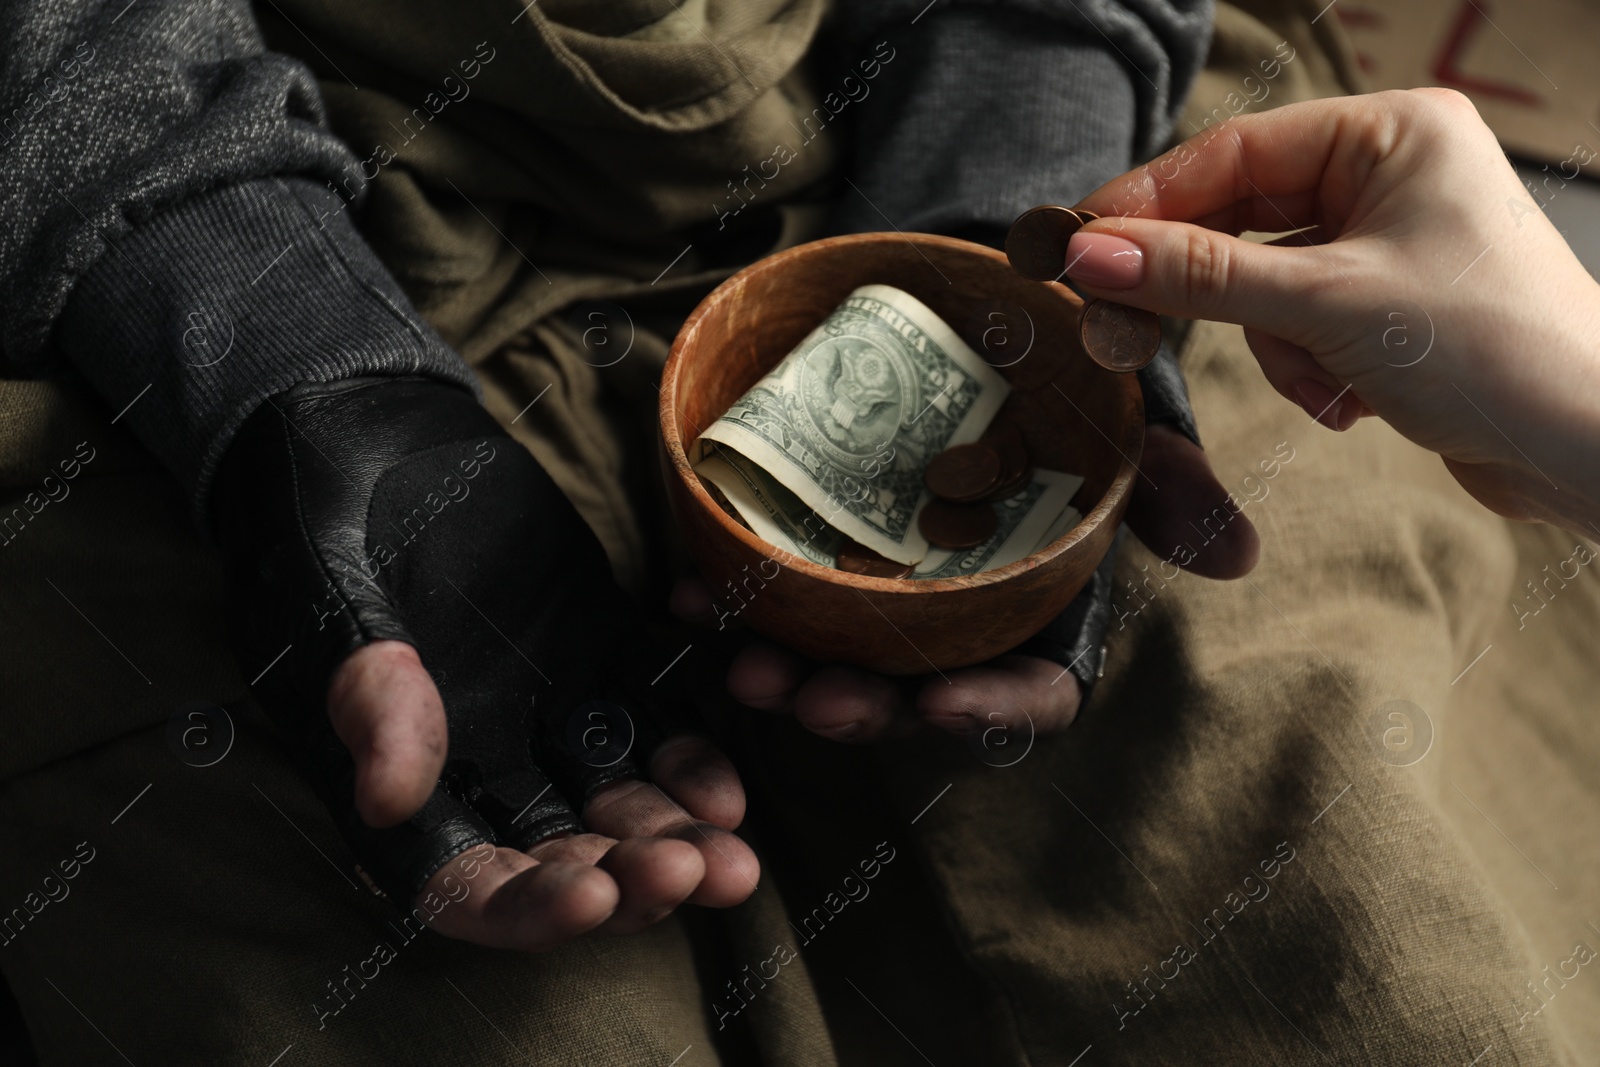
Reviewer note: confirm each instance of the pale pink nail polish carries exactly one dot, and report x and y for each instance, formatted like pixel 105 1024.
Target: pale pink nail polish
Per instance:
pixel 1104 260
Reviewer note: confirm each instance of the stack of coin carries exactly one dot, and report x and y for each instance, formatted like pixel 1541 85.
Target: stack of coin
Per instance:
pixel 951 525
pixel 1015 467
pixel 962 478
pixel 964 474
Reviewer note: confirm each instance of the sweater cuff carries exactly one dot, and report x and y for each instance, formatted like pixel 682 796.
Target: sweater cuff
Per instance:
pixel 199 315
pixel 989 113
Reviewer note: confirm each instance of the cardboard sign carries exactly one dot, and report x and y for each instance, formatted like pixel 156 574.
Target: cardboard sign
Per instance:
pixel 1530 66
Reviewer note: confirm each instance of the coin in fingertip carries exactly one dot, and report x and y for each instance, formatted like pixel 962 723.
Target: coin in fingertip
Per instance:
pixel 857 558
pixel 1119 337
pixel 963 473
pixel 1036 244
pixel 950 525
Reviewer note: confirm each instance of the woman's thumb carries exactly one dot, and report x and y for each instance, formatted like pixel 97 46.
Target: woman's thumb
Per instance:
pixel 1176 268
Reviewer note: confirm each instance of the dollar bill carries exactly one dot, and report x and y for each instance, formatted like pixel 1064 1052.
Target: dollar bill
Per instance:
pixel 778 517
pixel 1025 518
pixel 849 419
pixel 1064 522
pixel 773 513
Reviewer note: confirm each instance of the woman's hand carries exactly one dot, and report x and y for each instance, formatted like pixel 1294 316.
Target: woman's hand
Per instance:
pixel 1430 291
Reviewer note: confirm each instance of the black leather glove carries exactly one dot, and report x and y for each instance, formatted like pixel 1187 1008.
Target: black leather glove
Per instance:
pixel 397 508
pixel 1076 638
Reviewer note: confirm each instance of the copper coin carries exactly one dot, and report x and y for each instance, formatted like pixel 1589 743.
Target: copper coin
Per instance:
pixel 1008 489
pixel 1119 337
pixel 859 559
pixel 1036 244
pixel 950 525
pixel 1005 437
pixel 964 473
pixel 1015 469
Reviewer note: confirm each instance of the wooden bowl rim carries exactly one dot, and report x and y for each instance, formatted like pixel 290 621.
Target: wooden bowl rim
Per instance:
pixel 672 436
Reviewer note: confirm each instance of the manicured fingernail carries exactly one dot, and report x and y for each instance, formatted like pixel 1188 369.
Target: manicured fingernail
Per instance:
pixel 845 732
pixel 1104 260
pixel 1320 402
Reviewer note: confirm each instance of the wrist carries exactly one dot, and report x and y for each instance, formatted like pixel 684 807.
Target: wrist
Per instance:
pixel 232 297
pixel 1545 411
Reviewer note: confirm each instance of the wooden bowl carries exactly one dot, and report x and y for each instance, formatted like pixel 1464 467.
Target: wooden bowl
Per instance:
pixel 1076 417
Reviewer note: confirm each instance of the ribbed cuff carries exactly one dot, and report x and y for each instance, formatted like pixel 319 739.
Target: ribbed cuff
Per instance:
pixel 985 114
pixel 233 296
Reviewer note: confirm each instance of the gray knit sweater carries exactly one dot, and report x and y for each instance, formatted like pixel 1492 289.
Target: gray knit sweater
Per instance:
pixel 169 233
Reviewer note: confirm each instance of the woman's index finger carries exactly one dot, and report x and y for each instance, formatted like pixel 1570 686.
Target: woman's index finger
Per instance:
pixel 1277 156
